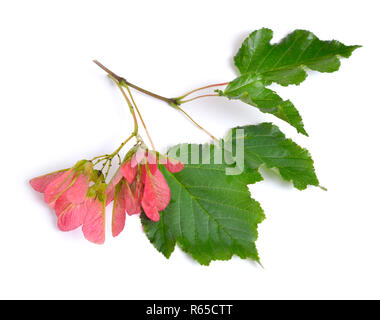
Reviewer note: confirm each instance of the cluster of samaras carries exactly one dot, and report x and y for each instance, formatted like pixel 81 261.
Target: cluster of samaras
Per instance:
pixel 79 195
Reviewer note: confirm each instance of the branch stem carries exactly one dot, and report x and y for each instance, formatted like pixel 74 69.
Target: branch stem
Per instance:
pixel 123 82
pixel 136 126
pixel 113 154
pixel 174 102
pixel 201 88
pixel 198 97
pixel 141 119
pixel 193 121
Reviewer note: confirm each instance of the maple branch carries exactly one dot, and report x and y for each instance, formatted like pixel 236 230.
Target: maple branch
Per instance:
pixel 123 82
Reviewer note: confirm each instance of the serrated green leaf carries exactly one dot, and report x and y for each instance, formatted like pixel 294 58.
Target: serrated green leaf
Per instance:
pixel 260 63
pixel 159 234
pixel 265 144
pixel 285 62
pixel 251 89
pixel 211 215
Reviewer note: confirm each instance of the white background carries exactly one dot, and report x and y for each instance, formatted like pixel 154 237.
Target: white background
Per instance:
pixel 58 107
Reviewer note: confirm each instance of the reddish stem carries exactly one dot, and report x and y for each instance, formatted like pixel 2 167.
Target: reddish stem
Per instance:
pixel 197 97
pixel 205 87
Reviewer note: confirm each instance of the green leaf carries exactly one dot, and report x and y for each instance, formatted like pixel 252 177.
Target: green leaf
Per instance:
pixel 251 89
pixel 285 62
pixel 211 215
pixel 265 144
pixel 260 63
